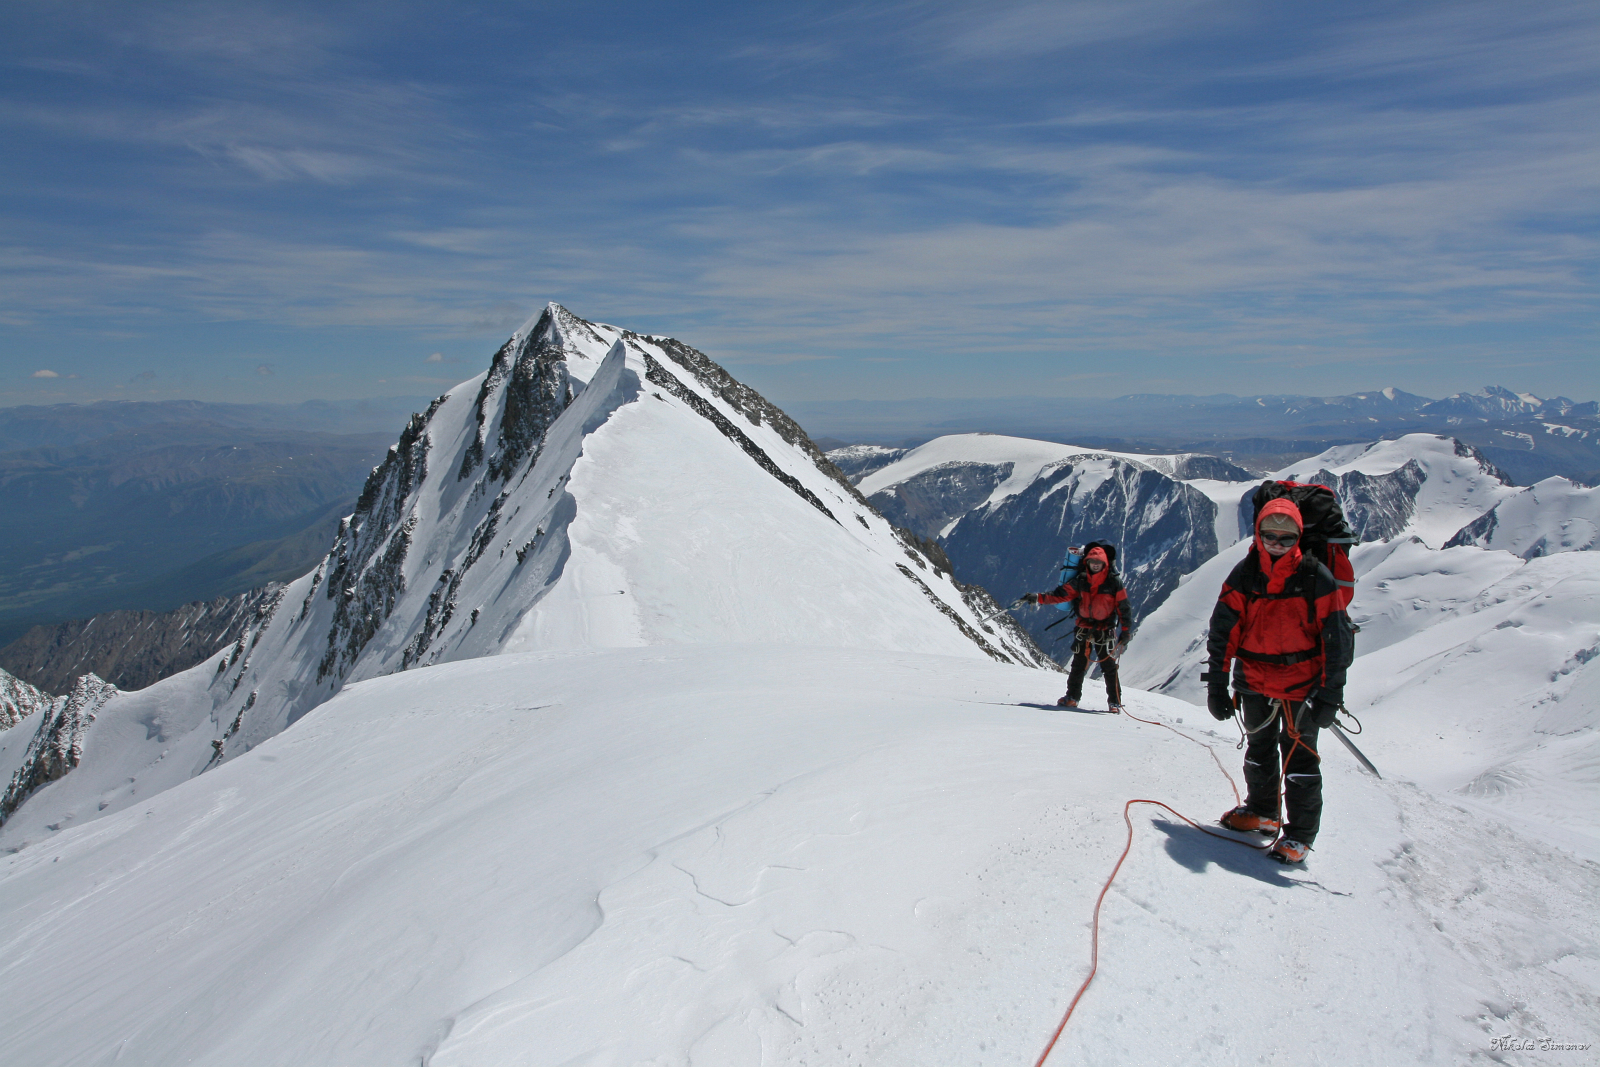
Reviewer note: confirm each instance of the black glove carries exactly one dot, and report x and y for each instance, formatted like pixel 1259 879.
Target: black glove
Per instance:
pixel 1325 707
pixel 1029 598
pixel 1219 702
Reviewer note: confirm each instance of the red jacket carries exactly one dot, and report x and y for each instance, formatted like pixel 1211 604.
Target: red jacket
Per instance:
pixel 1101 601
pixel 1281 623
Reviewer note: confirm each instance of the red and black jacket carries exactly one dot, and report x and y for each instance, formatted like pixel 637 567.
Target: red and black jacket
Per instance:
pixel 1101 601
pixel 1287 643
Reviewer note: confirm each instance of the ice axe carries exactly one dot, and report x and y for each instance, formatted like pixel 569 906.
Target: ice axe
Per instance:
pixel 1017 603
pixel 1354 751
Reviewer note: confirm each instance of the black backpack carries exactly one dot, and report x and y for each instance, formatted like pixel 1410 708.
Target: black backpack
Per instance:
pixel 1325 535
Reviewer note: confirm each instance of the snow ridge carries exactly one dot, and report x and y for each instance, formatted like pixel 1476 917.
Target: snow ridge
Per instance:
pixel 657 376
pixel 593 488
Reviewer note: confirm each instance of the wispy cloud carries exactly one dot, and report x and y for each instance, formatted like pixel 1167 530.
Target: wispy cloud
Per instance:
pixel 1216 177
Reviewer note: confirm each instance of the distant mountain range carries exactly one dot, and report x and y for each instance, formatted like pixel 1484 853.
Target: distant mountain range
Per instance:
pixel 32 426
pixel 139 507
pixel 155 515
pixel 1528 437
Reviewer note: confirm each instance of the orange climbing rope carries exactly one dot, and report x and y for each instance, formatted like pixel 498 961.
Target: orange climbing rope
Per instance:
pixel 1094 951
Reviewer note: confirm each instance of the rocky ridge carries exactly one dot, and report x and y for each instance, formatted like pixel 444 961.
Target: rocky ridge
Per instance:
pixel 594 488
pixel 18 700
pixel 57 745
pixel 132 649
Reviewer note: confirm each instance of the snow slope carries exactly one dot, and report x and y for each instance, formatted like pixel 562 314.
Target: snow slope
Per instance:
pixel 727 855
pixel 1474 673
pixel 1553 516
pixel 593 489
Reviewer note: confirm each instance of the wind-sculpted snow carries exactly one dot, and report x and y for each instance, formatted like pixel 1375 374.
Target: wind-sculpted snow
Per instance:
pixel 753 854
pixel 1552 516
pixel 594 488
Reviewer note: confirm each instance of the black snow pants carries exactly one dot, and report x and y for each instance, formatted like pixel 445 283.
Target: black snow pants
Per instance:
pixel 1271 741
pixel 1087 645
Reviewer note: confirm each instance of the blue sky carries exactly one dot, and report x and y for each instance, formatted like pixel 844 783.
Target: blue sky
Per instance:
pixel 235 201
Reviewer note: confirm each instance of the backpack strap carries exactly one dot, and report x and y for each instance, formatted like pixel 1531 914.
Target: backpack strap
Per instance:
pixel 1286 659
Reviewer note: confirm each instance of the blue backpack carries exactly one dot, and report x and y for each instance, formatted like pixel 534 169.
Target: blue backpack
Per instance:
pixel 1069 570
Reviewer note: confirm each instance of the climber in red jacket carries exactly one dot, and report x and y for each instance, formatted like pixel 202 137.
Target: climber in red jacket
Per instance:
pixel 1102 609
pixel 1280 622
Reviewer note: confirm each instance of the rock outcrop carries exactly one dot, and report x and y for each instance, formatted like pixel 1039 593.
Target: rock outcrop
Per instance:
pixel 132 649
pixel 18 700
pixel 57 746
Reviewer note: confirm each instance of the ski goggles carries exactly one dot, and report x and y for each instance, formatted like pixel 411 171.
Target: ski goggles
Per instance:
pixel 1287 540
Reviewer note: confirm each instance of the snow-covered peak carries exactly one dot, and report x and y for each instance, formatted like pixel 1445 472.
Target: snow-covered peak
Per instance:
pixel 1553 516
pixel 1026 457
pixel 1493 403
pixel 1419 485
pixel 593 489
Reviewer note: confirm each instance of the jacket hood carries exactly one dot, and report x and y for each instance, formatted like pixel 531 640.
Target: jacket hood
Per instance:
pixel 1281 506
pixel 1278 570
pixel 1096 580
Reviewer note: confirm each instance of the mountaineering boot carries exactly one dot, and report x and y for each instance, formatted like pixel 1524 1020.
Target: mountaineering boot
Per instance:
pixel 1066 702
pixel 1247 821
pixel 1287 851
pixel 1115 709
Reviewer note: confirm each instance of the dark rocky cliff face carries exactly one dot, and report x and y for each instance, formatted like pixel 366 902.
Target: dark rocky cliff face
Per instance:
pixel 1377 506
pixel 57 747
pixel 928 502
pixel 1162 528
pixel 131 649
pixel 18 700
pixel 858 461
